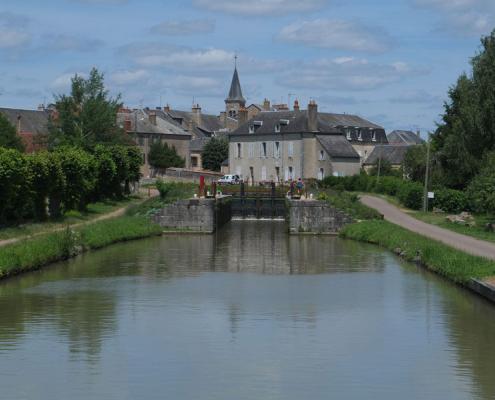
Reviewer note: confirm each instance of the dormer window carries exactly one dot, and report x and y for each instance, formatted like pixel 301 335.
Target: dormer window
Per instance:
pixel 348 134
pixel 284 122
pixel 360 134
pixel 251 128
pixel 322 155
pixel 373 136
pixel 277 128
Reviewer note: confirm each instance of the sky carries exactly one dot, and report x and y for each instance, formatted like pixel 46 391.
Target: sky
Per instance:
pixel 390 61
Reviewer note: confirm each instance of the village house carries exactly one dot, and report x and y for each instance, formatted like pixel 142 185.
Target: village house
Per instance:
pixel 31 126
pixel 146 127
pixel 287 145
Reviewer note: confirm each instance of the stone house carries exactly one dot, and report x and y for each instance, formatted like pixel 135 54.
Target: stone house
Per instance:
pixel 286 145
pixel 31 126
pixel 391 153
pixel 146 127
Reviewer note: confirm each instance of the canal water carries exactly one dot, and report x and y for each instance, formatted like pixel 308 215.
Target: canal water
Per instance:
pixel 248 313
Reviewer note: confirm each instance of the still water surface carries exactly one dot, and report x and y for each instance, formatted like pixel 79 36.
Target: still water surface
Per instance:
pixel 249 313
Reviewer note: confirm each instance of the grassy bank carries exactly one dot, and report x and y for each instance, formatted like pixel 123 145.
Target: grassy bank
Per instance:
pixel 444 260
pixel 37 252
pixel 93 211
pixel 350 204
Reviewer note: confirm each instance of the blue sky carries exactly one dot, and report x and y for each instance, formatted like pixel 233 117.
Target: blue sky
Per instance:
pixel 391 61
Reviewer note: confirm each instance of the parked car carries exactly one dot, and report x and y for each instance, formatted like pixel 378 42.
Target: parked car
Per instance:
pixel 230 180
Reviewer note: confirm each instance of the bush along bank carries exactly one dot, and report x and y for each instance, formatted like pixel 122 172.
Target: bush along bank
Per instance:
pixel 34 253
pixel 409 193
pixel 456 265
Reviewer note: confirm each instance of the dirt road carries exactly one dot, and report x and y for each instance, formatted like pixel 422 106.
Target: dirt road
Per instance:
pixel 462 242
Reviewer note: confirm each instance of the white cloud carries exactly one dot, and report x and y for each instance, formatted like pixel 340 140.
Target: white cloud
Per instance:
pixel 464 17
pixel 185 27
pixel 13 33
pixel 346 74
pixel 197 86
pixel 128 77
pixel 337 34
pixel 416 97
pixel 268 8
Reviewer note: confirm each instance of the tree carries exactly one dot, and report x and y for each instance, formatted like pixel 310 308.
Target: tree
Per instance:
pixel 87 116
pixel 215 152
pixel 467 131
pixel 162 156
pixel 8 135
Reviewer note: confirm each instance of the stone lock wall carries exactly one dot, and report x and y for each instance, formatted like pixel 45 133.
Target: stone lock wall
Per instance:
pixel 317 217
pixel 195 215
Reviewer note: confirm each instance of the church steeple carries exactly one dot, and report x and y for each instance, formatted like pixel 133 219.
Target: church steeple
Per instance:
pixel 235 93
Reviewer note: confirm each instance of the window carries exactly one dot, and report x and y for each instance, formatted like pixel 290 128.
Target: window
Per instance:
pixel 263 174
pixel 359 134
pixel 291 173
pixel 251 150
pixel 239 150
pixel 144 158
pixel 348 134
pixel 251 172
pixel 194 162
pixel 321 174
pixel 277 150
pixel 373 136
pixel 277 128
pixel 277 174
pixel 290 149
pixel 322 155
pixel 251 128
pixel 232 114
pixel 263 149
pixel 141 141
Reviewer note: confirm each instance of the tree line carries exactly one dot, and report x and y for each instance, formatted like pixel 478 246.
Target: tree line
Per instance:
pixel 88 157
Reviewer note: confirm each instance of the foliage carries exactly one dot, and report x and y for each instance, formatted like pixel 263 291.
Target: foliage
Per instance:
pixel 8 135
pixel 87 116
pixel 481 191
pixel 411 195
pixel 415 162
pixel 350 204
pixel 161 155
pixel 467 132
pixel 385 168
pixel 450 200
pixel 215 152
pixel 449 262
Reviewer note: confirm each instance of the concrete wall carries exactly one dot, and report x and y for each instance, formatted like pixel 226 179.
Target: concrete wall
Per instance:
pixel 196 215
pixel 317 217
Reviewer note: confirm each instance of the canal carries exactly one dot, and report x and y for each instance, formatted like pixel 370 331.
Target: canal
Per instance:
pixel 247 313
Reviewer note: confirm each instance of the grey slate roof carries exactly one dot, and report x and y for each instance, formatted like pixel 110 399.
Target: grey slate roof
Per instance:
pixel 32 121
pixel 144 126
pixel 209 123
pixel 404 137
pixel 235 93
pixel 394 154
pixel 337 146
pixel 197 145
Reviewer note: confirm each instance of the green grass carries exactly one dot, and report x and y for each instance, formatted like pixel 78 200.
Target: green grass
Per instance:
pixel 442 259
pixel 350 204
pixel 70 217
pixel 176 191
pixel 36 252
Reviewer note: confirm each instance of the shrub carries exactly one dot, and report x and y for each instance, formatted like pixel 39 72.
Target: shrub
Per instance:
pixel 450 200
pixel 410 194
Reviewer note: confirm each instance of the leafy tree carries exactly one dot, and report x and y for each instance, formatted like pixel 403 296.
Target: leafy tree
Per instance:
pixel 467 131
pixel 163 156
pixel 481 191
pixel 87 116
pixel 135 160
pixel 385 167
pixel 8 135
pixel 215 152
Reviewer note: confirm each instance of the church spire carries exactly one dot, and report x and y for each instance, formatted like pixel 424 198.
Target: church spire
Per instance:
pixel 235 93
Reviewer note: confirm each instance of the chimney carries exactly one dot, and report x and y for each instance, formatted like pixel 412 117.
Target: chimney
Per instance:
pixel 19 124
pixel 127 125
pixel 242 115
pixel 152 117
pixel 196 115
pixel 312 116
pixel 296 106
pixel 166 108
pixel 266 105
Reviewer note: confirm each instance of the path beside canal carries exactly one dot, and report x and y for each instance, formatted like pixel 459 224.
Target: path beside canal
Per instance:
pixel 458 241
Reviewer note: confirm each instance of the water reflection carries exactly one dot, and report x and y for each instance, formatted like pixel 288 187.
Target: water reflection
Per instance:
pixel 247 313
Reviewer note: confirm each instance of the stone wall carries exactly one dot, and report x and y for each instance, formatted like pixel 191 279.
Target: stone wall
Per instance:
pixel 317 217
pixel 195 215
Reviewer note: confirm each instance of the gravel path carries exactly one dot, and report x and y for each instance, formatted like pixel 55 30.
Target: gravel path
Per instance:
pixel 465 243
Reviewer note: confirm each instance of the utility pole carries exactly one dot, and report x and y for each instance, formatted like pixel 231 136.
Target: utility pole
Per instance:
pixel 427 173
pixel 379 169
